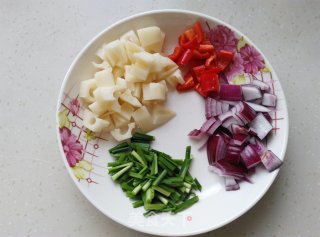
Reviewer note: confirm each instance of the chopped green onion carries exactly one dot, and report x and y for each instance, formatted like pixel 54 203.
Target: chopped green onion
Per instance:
pixel 160 178
pixel 121 172
pixel 188 203
pixel 161 190
pixel 138 203
pixel 155 206
pixel 149 195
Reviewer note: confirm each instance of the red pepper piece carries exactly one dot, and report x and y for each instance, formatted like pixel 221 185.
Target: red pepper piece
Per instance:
pixel 210 61
pixel 191 44
pixel 206 48
pixel 182 39
pixel 209 82
pixel 188 85
pixel 185 57
pixel 228 55
pixel 198 31
pixel 189 34
pixel 198 88
pixel 176 54
pixel 206 42
pixel 198 55
pixel 224 59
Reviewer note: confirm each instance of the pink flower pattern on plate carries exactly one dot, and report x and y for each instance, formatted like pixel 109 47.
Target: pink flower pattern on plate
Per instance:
pixel 223 38
pixel 74 106
pixel 252 59
pixel 71 146
pixel 235 68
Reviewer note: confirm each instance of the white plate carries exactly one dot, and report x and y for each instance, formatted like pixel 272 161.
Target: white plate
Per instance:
pixel 216 206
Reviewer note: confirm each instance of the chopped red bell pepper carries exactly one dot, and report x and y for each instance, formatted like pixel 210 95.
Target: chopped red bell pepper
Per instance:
pixel 228 55
pixel 209 82
pixel 198 55
pixel 191 44
pixel 189 34
pixel 211 60
pixel 188 84
pixel 185 57
pixel 198 31
pixel 206 48
pixel 198 88
pixel 182 39
pixel 224 59
pixel 176 54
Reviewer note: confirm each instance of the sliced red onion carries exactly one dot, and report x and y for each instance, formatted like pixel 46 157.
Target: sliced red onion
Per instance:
pixel 268 117
pixel 222 117
pixel 262 85
pixel 251 92
pixel 216 148
pixel 208 107
pixel 244 112
pixel 258 108
pixel 196 134
pixel 261 126
pixel 225 107
pixel 218 108
pixel 257 101
pixel 239 139
pixel 232 103
pixel 269 100
pixel 258 146
pixel 271 161
pixel 235 128
pixel 230 92
pixel 214 127
pixel 224 168
pixel 231 120
pixel 207 124
pixel 250 157
pixel 231 184
pixel 233 154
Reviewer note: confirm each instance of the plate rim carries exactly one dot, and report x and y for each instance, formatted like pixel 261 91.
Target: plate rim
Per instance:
pixel 146 13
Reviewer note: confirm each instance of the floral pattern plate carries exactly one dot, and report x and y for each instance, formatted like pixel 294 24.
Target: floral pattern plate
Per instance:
pixel 86 154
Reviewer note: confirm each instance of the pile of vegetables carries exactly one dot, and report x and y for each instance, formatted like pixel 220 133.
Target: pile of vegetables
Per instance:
pixel 129 89
pixel 153 179
pixel 237 116
pixel 197 53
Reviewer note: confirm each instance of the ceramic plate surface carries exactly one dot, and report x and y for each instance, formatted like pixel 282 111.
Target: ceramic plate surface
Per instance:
pixel 216 206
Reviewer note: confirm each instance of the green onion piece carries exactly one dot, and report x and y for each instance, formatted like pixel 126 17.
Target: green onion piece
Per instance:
pixel 166 163
pixel 120 148
pixel 135 175
pixel 138 203
pixel 161 190
pixel 117 167
pixel 154 166
pixel 129 194
pixel 185 167
pixel 175 196
pixel 137 189
pixel 121 172
pixel 155 206
pixel 187 185
pixel 139 158
pixel 146 185
pixel 173 180
pixel 197 184
pixel 178 162
pixel 188 203
pixel 163 199
pixel 149 195
pixel 142 136
pixel 125 186
pixel 167 188
pixel 160 178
